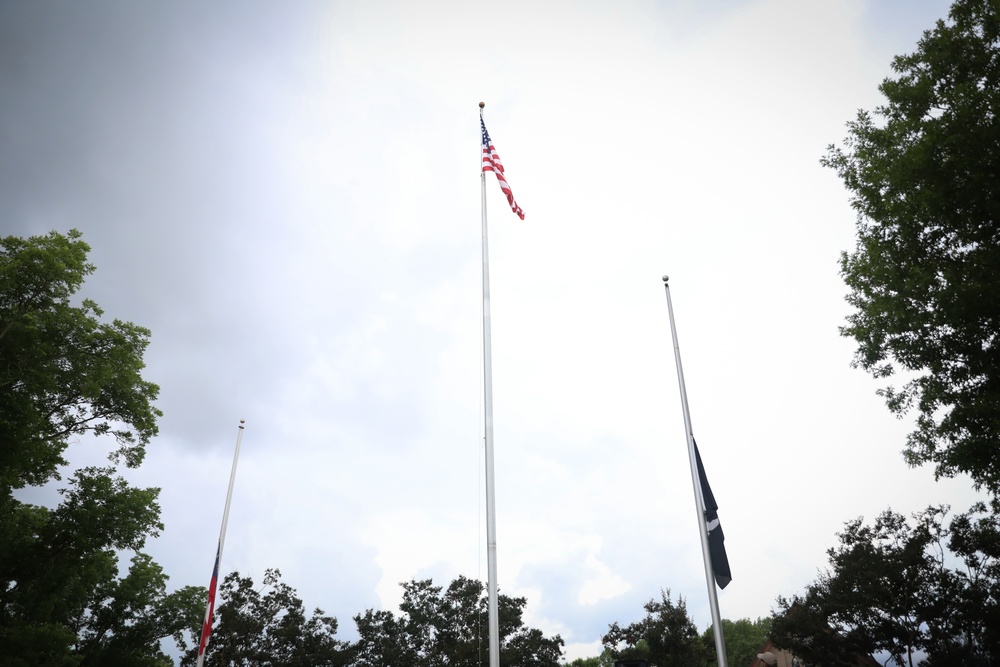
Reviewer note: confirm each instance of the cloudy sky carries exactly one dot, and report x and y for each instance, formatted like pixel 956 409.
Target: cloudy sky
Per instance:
pixel 288 196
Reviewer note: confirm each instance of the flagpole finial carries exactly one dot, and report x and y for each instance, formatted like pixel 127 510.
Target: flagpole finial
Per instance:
pixel 482 105
pixel 666 278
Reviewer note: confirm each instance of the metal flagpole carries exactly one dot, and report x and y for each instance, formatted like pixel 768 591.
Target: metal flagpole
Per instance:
pixel 206 629
pixel 491 517
pixel 699 501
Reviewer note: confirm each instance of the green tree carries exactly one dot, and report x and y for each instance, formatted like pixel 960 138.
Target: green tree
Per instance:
pixel 63 374
pixel 666 637
pixel 128 617
pixel 269 629
pixel 586 662
pixel 967 633
pixel 744 639
pixel 438 626
pixel 891 587
pixel 924 174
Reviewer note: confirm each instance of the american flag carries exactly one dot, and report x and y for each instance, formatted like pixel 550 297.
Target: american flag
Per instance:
pixel 491 162
pixel 206 629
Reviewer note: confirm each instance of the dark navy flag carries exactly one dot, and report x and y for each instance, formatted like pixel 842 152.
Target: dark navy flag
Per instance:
pixel 716 540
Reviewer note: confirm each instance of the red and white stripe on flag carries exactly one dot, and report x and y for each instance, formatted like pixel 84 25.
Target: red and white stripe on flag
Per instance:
pixel 491 162
pixel 206 629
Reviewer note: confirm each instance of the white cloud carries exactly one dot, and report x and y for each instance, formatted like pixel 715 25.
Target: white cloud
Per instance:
pixel 605 585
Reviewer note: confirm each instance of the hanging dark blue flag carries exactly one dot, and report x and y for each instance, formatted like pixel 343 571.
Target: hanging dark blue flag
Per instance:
pixel 716 540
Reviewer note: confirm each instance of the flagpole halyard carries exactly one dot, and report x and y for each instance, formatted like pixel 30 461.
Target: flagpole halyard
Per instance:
pixel 491 535
pixel 713 598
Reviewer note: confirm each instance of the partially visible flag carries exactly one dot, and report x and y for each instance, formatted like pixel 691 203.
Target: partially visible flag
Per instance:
pixel 206 629
pixel 716 540
pixel 491 162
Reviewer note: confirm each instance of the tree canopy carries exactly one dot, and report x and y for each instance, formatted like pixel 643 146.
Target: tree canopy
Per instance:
pixel 744 639
pixel 269 627
pixel 923 170
pixel 903 587
pixel 448 626
pixel 666 636
pixel 65 373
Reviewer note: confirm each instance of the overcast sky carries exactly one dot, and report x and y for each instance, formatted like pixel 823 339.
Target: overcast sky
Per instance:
pixel 288 196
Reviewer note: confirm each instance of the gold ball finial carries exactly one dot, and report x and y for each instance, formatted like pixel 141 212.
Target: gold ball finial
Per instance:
pixel 482 105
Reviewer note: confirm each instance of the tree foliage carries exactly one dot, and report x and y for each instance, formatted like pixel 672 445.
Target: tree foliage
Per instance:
pixel 438 626
pixel 743 638
pixel 63 374
pixel 924 173
pixel 269 627
pixel 595 661
pixel 666 636
pixel 906 588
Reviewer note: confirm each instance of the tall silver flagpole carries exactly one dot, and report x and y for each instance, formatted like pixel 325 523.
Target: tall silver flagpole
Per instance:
pixel 491 517
pixel 222 541
pixel 699 501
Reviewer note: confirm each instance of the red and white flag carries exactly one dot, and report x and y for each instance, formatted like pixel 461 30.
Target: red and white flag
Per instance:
pixel 491 162
pixel 206 629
